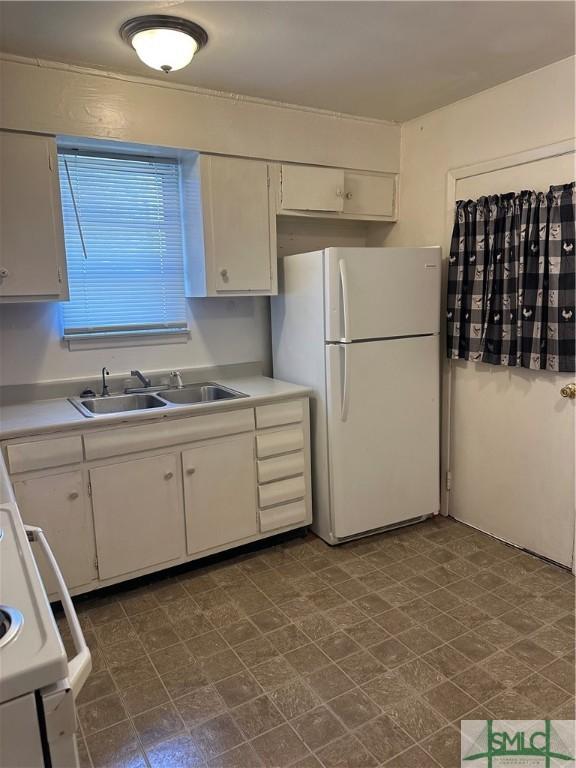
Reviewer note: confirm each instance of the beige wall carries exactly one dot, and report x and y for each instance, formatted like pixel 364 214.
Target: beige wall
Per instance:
pixel 531 111
pixel 492 407
pixel 62 100
pixel 50 98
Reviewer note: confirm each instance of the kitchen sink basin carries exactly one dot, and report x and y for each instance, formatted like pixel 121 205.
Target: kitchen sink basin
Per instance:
pixel 198 393
pixel 97 406
pixel 190 394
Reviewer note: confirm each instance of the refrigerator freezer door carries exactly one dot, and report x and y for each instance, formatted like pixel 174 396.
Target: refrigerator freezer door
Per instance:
pixel 375 293
pixel 383 431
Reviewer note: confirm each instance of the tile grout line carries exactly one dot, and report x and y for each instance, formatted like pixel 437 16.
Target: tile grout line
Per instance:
pixel 292 620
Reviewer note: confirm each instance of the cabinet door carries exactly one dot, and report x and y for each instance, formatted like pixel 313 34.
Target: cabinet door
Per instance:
pixel 32 254
pixel 369 195
pixel 138 517
pixel 306 188
pixel 239 224
pixel 58 504
pixel 220 493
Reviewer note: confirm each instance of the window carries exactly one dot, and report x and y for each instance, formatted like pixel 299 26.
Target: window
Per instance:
pixel 124 245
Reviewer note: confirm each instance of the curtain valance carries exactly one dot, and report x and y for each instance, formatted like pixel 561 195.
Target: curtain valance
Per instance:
pixel 512 280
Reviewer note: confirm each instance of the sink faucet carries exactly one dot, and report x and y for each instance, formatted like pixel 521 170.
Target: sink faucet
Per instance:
pixel 105 392
pixel 177 377
pixel 145 381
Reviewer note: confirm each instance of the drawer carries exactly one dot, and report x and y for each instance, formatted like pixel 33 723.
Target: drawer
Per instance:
pixel 280 467
pixel 114 442
pixel 279 413
pixel 274 443
pixel 280 517
pixel 41 454
pixel 281 491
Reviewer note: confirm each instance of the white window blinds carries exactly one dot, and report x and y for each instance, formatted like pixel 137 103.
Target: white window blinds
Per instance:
pixel 124 246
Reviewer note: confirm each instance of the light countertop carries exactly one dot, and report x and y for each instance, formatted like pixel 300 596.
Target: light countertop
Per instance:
pixel 58 414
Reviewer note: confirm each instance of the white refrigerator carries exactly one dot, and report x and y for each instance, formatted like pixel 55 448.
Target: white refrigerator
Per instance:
pixel 360 326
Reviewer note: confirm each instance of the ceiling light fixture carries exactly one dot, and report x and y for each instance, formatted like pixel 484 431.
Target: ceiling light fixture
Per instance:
pixel 166 43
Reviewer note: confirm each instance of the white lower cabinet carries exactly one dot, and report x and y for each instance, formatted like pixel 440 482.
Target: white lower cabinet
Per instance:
pixel 136 499
pixel 220 492
pixel 58 505
pixel 138 516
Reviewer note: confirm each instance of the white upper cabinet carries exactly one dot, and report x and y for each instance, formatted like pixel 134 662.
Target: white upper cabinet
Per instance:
pixel 335 193
pixel 307 188
pixel 32 254
pixel 369 194
pixel 230 227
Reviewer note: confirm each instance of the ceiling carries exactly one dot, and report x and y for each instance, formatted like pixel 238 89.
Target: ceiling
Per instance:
pixel 391 60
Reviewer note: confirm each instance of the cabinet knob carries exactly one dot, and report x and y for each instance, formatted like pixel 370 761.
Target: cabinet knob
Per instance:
pixel 224 274
pixel 348 195
pixel 74 495
pixel 190 470
pixel 168 475
pixel 339 193
pixel 3 272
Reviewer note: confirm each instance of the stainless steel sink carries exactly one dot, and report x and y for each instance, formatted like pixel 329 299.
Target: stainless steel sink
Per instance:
pixel 97 406
pixel 199 393
pixel 191 394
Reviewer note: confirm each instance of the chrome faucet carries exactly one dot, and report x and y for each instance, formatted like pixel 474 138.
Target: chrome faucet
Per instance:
pixel 105 392
pixel 177 377
pixel 145 381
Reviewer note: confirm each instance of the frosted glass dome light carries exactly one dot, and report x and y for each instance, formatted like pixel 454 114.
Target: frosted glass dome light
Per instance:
pixel 165 43
pixel 165 49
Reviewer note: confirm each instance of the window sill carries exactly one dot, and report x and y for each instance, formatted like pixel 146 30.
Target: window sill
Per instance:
pixel 128 339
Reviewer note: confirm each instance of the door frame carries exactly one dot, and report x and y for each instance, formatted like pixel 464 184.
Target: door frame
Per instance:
pixel 454 175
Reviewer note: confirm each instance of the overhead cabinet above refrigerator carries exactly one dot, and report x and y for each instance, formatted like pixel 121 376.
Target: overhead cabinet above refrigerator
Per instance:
pixel 361 326
pixel 313 191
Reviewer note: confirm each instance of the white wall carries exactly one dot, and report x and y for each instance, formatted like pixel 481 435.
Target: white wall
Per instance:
pixel 62 100
pixel 57 99
pixel 222 331
pixel 531 111
pixel 492 407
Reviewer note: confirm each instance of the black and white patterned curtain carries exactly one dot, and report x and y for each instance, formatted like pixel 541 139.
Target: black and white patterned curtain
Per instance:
pixel 511 280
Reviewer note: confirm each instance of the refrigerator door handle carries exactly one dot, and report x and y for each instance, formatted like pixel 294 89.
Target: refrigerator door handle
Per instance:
pixel 345 400
pixel 345 303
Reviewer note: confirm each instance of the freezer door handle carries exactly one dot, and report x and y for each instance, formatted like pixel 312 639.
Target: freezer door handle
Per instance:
pixel 345 303
pixel 345 400
pixel 80 666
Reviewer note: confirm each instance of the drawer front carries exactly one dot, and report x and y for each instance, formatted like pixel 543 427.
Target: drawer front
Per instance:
pixel 280 517
pixel 280 467
pixel 278 414
pixel 281 491
pixel 114 442
pixel 41 454
pixel 274 443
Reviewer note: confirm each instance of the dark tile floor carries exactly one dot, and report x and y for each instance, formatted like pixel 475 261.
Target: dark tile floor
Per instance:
pixel 304 655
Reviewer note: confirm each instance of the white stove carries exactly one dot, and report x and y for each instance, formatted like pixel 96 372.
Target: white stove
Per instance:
pixel 38 685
